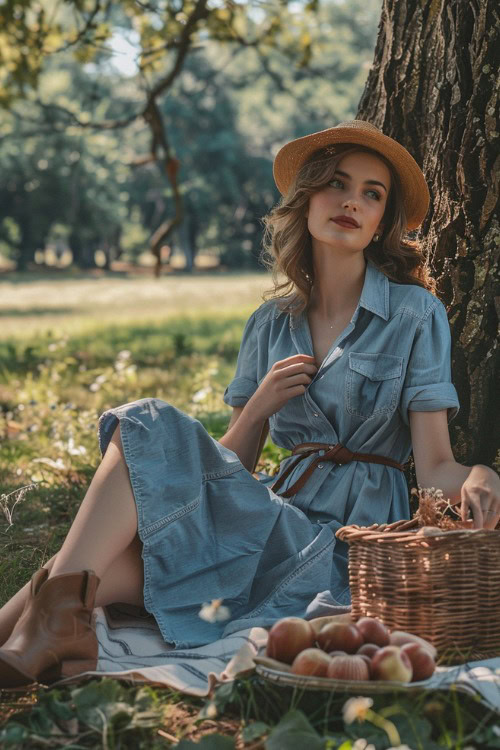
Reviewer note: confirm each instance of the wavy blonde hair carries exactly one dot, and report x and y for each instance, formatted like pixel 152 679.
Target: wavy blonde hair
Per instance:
pixel 287 247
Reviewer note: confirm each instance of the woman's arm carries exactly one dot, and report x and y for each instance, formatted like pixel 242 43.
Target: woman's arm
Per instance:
pixel 245 437
pixel 476 487
pixel 286 379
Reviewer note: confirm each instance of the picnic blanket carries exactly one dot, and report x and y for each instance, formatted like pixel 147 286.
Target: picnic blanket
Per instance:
pixel 131 648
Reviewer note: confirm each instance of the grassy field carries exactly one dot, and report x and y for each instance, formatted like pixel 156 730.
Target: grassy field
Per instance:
pixel 70 348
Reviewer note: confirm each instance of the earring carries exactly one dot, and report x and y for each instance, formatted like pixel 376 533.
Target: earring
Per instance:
pixel 376 237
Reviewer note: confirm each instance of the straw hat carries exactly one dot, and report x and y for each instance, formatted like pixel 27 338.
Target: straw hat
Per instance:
pixel 416 197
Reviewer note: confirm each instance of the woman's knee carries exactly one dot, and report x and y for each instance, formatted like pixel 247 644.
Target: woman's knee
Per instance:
pixel 116 439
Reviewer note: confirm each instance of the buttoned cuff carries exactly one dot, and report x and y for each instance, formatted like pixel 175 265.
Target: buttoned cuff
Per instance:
pixel 429 398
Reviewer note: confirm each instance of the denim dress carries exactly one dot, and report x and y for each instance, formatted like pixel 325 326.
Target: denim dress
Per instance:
pixel 211 530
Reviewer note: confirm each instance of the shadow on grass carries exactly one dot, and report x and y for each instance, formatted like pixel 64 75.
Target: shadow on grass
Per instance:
pixel 14 312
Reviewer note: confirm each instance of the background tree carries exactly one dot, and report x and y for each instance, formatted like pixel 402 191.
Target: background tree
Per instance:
pixel 434 87
pixel 229 108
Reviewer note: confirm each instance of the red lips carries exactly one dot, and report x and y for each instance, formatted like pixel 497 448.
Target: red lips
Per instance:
pixel 348 220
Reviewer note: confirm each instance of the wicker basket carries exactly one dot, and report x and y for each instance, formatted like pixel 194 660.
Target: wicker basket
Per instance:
pixel 444 588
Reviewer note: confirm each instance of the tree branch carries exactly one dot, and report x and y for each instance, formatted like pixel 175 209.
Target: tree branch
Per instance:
pixel 198 14
pixel 81 34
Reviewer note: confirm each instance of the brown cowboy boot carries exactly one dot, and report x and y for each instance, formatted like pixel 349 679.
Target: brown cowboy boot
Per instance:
pixel 54 637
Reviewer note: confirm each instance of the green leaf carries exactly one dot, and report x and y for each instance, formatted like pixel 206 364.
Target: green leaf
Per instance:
pixel 294 733
pixel 97 693
pixel 412 728
pixel 55 706
pixel 209 742
pixel 254 730
pixel 12 735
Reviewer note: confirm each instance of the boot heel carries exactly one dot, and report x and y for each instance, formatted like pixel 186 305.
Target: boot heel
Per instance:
pixel 55 636
pixel 66 669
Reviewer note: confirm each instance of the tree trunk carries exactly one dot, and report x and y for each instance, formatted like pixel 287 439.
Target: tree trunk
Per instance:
pixel 433 88
pixel 188 249
pixel 28 244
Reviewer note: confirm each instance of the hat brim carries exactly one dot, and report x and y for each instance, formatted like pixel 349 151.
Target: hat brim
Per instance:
pixel 292 156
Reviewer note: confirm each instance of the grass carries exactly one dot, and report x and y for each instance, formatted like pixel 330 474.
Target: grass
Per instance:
pixel 70 349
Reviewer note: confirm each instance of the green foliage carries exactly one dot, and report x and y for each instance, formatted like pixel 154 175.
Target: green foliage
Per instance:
pixel 253 78
pixel 292 718
pixel 295 733
pixel 48 416
pixel 84 717
pixel 210 742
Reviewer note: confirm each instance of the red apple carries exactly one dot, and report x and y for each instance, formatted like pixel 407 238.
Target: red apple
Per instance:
pixel 367 661
pixel 312 661
pixel 348 668
pixel 421 661
pixel 390 663
pixel 373 631
pixel 400 637
pixel 318 622
pixel 341 636
pixel 367 649
pixel 288 637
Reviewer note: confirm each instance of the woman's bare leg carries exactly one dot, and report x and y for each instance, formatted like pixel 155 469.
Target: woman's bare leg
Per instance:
pixel 103 537
pixel 106 522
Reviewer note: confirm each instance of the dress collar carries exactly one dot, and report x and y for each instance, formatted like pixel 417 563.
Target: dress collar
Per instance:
pixel 374 295
pixel 375 292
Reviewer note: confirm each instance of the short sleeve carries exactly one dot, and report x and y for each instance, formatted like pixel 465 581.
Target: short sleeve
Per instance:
pixel 428 385
pixel 244 384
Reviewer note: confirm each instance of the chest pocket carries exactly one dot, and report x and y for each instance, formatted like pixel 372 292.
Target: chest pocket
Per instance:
pixel 373 383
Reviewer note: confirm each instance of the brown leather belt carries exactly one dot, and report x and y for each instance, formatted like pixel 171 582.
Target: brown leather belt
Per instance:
pixel 337 453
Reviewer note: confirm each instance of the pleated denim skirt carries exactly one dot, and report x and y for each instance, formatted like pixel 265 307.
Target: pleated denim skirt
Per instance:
pixel 210 530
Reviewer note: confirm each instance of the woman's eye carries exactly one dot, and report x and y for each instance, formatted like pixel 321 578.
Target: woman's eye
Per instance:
pixel 375 193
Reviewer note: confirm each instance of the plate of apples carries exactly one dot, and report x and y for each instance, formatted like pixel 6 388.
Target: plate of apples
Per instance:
pixel 337 653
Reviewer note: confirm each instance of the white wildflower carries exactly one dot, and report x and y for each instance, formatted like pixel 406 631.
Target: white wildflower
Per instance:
pixel 362 744
pixel 201 394
pixel 94 387
pixel 59 464
pixel 215 611
pixel 124 354
pixel 73 450
pixel 407 747
pixel 355 709
pixel 101 379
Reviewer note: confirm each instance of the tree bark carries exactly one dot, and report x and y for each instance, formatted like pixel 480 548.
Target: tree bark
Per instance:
pixel 433 88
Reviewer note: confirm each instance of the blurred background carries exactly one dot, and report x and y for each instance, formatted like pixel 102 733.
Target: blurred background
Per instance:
pixel 118 118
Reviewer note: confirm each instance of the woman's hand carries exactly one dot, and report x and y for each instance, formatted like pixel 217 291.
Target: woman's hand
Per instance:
pixel 287 378
pixel 481 495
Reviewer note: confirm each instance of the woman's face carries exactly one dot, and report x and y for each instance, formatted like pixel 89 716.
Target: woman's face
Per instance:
pixel 359 189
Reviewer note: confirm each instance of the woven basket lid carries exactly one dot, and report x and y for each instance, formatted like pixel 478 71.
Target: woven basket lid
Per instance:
pixel 292 155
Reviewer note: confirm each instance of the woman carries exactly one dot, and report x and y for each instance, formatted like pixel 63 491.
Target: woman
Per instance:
pixel 348 364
